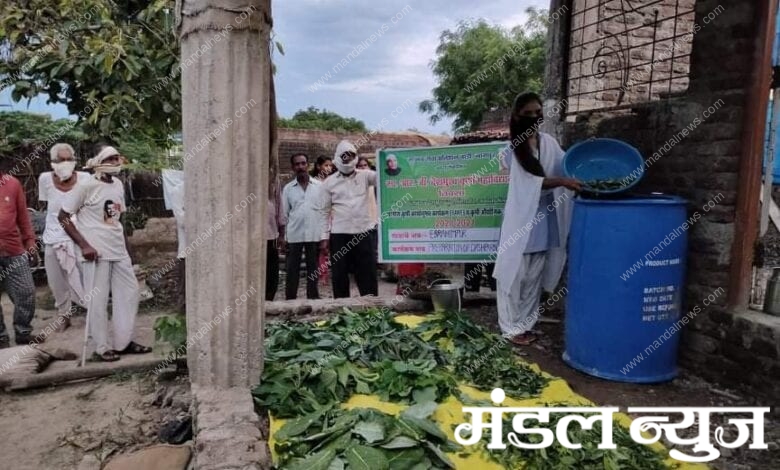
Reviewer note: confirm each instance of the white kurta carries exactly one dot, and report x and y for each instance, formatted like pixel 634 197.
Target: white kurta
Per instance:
pixel 521 207
pixel 60 259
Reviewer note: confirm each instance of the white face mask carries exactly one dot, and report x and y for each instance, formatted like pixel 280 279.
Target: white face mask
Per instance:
pixel 346 168
pixel 108 169
pixel 63 170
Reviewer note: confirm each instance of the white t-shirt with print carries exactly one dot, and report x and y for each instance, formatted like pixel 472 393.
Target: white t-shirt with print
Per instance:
pixel 48 192
pixel 98 206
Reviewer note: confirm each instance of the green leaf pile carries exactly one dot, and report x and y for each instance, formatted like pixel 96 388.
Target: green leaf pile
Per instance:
pixel 364 439
pixel 311 370
pixel 485 360
pixel 629 455
pixel 416 379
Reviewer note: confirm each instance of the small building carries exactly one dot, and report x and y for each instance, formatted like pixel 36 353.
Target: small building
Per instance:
pixel 686 82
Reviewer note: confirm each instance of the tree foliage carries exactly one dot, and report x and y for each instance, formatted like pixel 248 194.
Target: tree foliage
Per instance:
pixel 18 128
pixel 21 129
pixel 480 67
pixel 313 118
pixel 99 58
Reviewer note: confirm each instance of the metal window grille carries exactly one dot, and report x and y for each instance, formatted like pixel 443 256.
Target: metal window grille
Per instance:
pixel 623 52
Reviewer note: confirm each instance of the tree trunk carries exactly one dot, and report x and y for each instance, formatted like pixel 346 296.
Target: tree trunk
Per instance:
pixel 227 125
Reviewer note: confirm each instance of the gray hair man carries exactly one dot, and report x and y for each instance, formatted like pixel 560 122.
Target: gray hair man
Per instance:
pixel 62 267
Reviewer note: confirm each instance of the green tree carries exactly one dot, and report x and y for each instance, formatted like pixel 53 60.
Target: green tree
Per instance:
pixel 313 118
pixel 19 128
pixel 480 67
pixel 106 61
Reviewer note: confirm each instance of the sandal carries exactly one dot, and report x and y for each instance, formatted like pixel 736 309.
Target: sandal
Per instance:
pixel 135 348
pixel 108 356
pixel 523 340
pixel 29 338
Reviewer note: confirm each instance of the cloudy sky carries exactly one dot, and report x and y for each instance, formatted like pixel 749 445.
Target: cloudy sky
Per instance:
pixel 392 72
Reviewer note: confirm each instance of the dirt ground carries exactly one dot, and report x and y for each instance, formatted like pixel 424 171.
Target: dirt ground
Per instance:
pixel 56 428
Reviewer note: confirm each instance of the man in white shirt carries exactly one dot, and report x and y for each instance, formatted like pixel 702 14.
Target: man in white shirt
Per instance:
pixel 62 266
pixel 98 204
pixel 348 222
pixel 300 202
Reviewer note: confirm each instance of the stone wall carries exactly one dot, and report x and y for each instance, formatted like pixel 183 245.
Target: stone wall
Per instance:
pixel 697 157
pixel 155 241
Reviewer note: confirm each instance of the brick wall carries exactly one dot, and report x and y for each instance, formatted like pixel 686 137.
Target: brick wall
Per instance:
pixel 700 166
pixel 649 37
pixel 494 121
pixel 149 197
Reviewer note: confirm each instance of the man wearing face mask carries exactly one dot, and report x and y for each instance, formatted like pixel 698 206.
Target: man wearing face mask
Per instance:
pixel 98 232
pixel 348 222
pixel 60 259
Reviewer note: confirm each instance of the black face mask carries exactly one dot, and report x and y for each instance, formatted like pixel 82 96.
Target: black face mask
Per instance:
pixel 524 124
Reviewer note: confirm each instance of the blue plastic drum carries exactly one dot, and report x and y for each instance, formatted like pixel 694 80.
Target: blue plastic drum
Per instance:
pixel 626 277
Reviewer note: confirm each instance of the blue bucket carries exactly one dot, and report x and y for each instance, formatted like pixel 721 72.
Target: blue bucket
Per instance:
pixel 604 159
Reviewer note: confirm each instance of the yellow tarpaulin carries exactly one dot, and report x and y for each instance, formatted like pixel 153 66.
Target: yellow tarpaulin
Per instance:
pixel 450 414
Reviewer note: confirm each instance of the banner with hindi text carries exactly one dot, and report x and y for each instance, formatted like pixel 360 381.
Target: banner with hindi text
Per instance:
pixel 440 204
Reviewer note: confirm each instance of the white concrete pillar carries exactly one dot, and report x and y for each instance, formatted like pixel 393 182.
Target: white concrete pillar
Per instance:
pixel 226 75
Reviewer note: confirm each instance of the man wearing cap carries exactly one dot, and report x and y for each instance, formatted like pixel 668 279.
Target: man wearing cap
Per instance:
pixel 392 166
pixel 17 251
pixel 98 204
pixel 348 222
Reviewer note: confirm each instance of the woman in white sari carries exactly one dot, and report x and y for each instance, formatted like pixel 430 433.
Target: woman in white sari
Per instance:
pixel 532 246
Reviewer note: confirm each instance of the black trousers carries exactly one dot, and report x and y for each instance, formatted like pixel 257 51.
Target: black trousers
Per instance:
pixel 271 270
pixel 357 250
pixel 374 241
pixel 474 282
pixel 374 236
pixel 294 251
